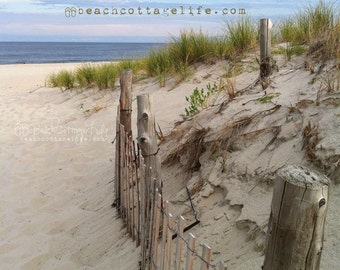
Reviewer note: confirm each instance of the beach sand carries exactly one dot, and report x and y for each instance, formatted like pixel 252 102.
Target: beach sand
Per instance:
pixel 57 176
pixel 57 165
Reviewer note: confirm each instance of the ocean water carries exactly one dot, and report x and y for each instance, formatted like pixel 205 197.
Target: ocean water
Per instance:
pixel 67 52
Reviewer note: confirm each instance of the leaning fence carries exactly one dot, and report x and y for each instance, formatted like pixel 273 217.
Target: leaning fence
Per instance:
pixel 139 198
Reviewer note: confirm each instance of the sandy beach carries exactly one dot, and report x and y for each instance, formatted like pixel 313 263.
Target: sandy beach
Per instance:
pixel 57 167
pixel 57 176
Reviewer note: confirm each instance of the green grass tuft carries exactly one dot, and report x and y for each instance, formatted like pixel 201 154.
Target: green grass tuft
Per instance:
pixel 64 80
pixel 268 98
pixel 241 35
pixel 85 75
pixel 105 76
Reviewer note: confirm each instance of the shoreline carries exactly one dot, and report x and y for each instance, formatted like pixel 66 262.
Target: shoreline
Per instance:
pixel 60 63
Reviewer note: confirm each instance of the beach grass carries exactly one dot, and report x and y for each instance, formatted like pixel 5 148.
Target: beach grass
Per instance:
pixel 157 64
pixel 105 76
pixel 85 75
pixel 310 29
pixel 316 26
pixel 64 80
pixel 241 36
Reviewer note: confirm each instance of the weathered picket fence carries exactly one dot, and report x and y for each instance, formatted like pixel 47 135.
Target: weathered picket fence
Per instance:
pixel 139 198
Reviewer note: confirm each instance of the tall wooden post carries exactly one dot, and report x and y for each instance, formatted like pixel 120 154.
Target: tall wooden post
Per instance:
pixel 297 219
pixel 147 138
pixel 265 47
pixel 148 144
pixel 126 100
pixel 123 118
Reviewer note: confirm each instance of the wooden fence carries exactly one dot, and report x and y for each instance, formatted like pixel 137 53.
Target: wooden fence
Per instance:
pixel 140 202
pixel 145 212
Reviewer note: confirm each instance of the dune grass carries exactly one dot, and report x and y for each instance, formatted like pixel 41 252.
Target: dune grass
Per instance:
pixel 105 76
pixel 311 28
pixel 241 36
pixel 85 75
pixel 310 24
pixel 316 26
pixel 64 80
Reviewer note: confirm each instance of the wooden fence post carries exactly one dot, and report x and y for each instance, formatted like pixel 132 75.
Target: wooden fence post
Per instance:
pixel 123 118
pixel 297 219
pixel 147 140
pixel 125 100
pixel 265 47
pixel 147 137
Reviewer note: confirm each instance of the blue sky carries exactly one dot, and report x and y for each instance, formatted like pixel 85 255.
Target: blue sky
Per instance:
pixel 46 20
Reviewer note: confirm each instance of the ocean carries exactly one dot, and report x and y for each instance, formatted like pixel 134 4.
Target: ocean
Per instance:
pixel 68 52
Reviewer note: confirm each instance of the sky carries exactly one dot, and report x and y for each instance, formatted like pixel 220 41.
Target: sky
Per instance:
pixel 129 20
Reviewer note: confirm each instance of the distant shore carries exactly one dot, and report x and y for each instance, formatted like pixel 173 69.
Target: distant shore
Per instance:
pixel 71 52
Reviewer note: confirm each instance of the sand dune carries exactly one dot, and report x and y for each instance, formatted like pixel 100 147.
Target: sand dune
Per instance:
pixel 57 168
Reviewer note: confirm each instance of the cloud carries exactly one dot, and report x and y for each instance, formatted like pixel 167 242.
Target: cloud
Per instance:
pixel 47 17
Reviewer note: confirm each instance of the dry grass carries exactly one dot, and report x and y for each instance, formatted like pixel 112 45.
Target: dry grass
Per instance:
pixel 329 84
pixel 188 150
pixel 96 108
pixel 303 104
pixel 229 86
pixel 310 136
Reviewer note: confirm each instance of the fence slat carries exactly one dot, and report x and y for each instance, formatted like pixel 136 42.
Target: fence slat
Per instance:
pixel 223 266
pixel 133 184
pixel 138 214
pixel 179 243
pixel 117 161
pixel 121 170
pixel 131 192
pixel 127 181
pixel 164 233
pixel 144 228
pixel 190 252
pixel 169 241
pixel 206 255
pixel 157 218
